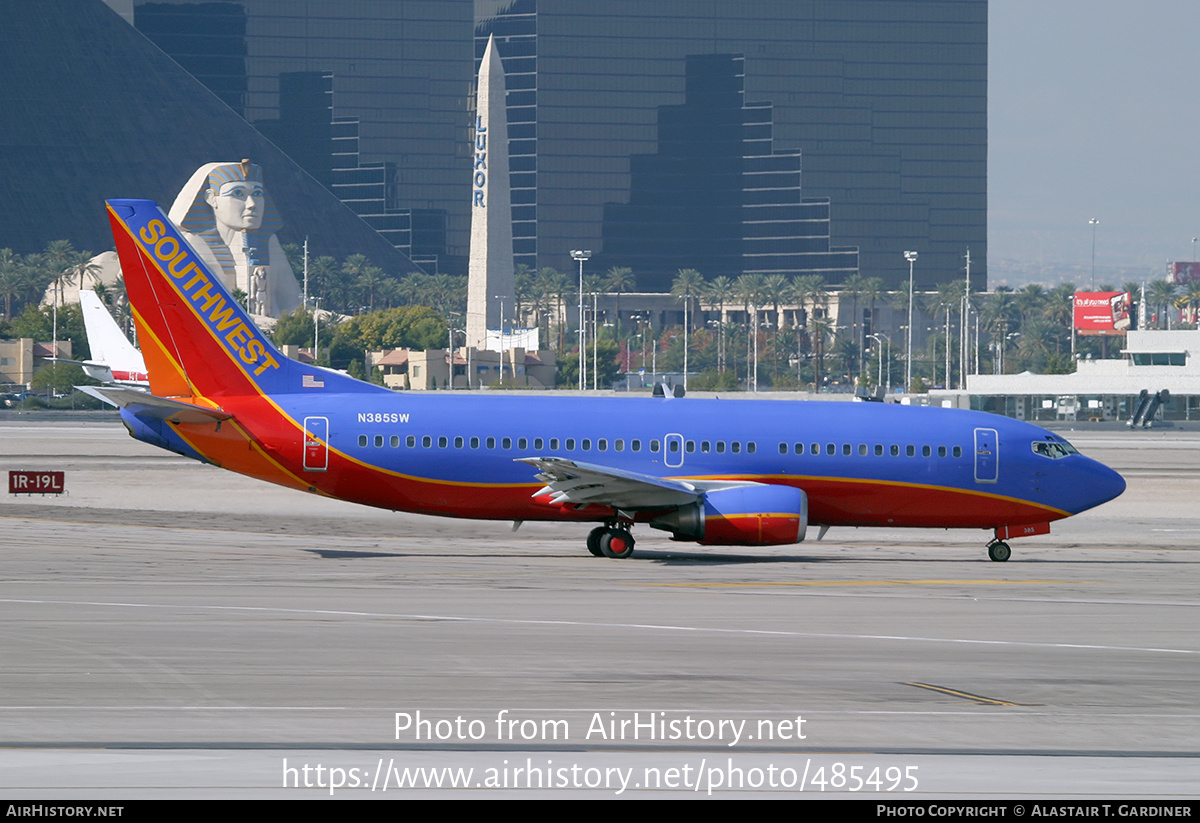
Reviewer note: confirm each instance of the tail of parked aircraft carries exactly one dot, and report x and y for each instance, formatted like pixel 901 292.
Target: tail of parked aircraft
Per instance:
pixel 197 341
pixel 109 346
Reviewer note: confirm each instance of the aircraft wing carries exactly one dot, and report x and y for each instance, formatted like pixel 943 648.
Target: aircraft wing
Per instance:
pixel 145 404
pixel 568 481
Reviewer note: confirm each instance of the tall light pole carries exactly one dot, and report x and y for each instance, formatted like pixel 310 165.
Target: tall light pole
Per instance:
pixel 911 257
pixel 964 332
pixel 499 297
pixel 581 255
pixel 876 337
pixel 1093 223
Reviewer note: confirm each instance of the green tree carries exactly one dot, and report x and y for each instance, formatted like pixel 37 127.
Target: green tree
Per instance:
pixel 37 323
pixel 404 327
pixel 59 379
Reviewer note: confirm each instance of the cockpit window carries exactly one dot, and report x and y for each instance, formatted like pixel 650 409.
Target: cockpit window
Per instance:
pixel 1054 448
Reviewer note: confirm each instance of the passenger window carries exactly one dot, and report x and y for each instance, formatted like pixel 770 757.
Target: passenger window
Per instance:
pixel 635 446
pixel 895 450
pixel 443 442
pixel 751 447
pixel 878 450
pixel 553 444
pixel 830 449
pixel 523 443
pixel 941 451
pixel 458 442
pixel 720 447
pixel 958 451
pixel 705 446
pixel 570 444
pixel 674 446
pixel 474 442
pixel 538 443
pixel 862 449
pixel 395 443
pixel 925 451
pixel 378 440
pixel 911 451
pixel 735 447
pixel 690 446
pixel 410 441
pixel 815 448
pixel 506 443
pixel 619 445
pixel 362 440
pixel 491 442
pixel 602 445
pixel 783 449
pixel 586 444
pixel 654 445
pixel 846 450
pixel 426 441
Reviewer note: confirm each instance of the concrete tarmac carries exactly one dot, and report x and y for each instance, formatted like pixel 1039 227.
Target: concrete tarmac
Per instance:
pixel 169 629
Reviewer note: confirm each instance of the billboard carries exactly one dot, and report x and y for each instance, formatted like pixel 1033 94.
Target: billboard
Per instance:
pixel 1103 312
pixel 1183 272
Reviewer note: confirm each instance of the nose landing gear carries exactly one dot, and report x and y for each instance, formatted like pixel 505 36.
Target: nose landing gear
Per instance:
pixel 999 551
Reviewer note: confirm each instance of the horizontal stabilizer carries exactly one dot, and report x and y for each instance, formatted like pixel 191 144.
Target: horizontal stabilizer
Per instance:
pixel 148 405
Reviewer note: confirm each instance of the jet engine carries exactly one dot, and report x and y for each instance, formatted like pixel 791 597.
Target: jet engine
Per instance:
pixel 759 515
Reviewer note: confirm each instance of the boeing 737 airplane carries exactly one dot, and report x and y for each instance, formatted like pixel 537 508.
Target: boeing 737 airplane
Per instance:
pixel 716 472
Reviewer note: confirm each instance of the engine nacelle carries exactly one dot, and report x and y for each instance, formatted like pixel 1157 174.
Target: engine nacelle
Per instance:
pixel 741 516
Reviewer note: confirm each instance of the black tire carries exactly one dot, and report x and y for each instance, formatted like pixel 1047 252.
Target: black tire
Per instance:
pixel 593 541
pixel 999 551
pixel 617 544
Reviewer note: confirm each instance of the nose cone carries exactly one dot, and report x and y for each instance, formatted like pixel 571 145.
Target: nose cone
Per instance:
pixel 1096 484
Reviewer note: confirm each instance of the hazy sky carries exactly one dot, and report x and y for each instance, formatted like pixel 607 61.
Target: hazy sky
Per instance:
pixel 1093 112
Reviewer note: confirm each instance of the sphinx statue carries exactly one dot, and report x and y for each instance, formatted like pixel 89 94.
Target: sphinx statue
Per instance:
pixel 227 215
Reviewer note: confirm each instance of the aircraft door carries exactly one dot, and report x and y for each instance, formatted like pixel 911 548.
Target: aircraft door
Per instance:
pixel 987 457
pixel 316 444
pixel 673 451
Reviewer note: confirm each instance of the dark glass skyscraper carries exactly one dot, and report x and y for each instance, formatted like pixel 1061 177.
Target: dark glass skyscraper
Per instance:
pixel 887 100
pixel 91 110
pixel 371 97
pixel 715 197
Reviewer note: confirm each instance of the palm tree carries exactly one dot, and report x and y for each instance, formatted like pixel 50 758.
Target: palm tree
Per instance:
pixel 619 279
pixel 552 283
pixel 853 287
pixel 57 259
pixel 80 267
pixel 1162 294
pixel 369 282
pixel 11 279
pixel 997 314
pixel 819 329
pixel 322 271
pixel 687 286
pixel 1193 300
pixel 720 291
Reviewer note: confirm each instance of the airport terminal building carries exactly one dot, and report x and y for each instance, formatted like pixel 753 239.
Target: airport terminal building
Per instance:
pixel 1154 362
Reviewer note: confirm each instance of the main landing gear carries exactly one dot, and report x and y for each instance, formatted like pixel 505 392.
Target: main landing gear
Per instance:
pixel 612 540
pixel 999 551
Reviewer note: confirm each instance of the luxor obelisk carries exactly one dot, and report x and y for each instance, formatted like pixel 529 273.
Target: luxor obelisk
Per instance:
pixel 491 280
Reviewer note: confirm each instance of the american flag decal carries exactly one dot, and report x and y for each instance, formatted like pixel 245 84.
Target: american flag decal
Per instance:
pixel 310 382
